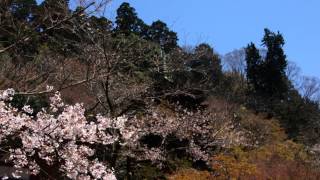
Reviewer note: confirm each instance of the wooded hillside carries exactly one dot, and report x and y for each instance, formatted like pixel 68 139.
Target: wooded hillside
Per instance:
pixel 85 97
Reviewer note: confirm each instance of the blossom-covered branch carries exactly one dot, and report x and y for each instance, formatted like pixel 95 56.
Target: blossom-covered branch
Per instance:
pixel 60 136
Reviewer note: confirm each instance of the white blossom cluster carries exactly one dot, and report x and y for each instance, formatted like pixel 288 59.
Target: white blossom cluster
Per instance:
pixel 204 131
pixel 60 136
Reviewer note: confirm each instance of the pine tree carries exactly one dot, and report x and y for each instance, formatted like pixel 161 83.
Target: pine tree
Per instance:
pixel 254 61
pixel 204 51
pixel 209 63
pixel 128 21
pixel 275 64
pixel 101 24
pixel 161 34
pixel 267 76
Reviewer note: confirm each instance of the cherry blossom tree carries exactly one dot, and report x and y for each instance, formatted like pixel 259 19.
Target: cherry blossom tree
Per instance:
pixel 62 140
pixel 57 137
pixel 160 134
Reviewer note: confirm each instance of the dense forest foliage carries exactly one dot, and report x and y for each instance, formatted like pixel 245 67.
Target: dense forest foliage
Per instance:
pixel 85 97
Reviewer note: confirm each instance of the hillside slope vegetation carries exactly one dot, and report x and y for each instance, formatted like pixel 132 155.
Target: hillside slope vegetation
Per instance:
pixel 83 97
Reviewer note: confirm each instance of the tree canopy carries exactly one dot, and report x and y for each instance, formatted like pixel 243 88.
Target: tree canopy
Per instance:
pixel 268 75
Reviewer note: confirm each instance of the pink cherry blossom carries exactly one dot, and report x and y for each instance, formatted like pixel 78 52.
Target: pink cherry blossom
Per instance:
pixel 56 138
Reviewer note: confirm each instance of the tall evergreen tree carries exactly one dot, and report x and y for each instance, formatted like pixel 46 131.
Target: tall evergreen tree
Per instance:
pixel 127 20
pixel 60 34
pixel 161 34
pixel 101 24
pixel 254 62
pixel 275 64
pixel 204 51
pixel 267 76
pixel 208 62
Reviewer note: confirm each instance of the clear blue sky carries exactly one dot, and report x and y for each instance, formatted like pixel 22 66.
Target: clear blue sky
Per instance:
pixel 232 24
